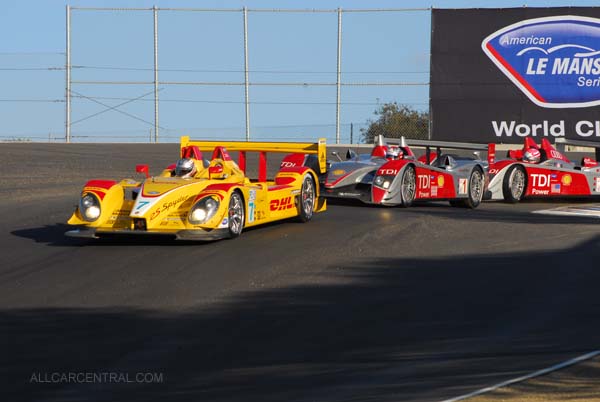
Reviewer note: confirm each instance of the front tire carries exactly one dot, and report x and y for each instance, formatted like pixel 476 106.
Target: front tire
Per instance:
pixel 475 190
pixel 408 186
pixel 235 215
pixel 514 184
pixel 306 200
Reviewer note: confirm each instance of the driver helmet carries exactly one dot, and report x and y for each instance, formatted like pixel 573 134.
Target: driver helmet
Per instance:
pixel 393 153
pixel 185 168
pixel 532 155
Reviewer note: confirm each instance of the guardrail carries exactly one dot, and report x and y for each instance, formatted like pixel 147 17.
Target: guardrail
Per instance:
pixel 561 143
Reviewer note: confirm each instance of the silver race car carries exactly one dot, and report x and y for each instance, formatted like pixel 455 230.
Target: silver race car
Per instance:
pixel 393 175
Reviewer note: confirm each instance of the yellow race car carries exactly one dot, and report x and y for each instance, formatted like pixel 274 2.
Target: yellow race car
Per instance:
pixel 198 199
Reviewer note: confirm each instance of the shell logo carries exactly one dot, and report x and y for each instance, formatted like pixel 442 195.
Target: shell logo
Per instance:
pixel 440 181
pixel 567 180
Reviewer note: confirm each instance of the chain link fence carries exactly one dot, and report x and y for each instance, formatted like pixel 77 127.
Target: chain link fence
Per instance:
pixel 290 89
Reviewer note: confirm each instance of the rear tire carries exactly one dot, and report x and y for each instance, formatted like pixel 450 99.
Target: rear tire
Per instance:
pixel 235 215
pixel 306 199
pixel 514 184
pixel 408 186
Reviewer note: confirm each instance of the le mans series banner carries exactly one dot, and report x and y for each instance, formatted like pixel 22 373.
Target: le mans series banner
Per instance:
pixel 498 75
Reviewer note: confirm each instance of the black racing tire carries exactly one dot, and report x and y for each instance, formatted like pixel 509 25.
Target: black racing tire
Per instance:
pixel 408 186
pixel 475 189
pixel 235 215
pixel 514 184
pixel 306 201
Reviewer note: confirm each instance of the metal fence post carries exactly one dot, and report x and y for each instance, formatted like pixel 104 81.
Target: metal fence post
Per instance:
pixel 339 77
pixel 68 79
pixel 246 83
pixel 155 12
pixel 246 80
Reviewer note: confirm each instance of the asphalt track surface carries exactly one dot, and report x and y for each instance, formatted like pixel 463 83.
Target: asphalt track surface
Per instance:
pixel 360 304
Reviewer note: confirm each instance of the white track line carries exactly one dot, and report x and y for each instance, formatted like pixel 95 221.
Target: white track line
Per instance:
pixel 526 377
pixel 590 211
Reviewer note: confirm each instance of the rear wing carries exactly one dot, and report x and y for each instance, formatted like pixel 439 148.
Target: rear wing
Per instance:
pixel 437 145
pixel 316 148
pixel 561 143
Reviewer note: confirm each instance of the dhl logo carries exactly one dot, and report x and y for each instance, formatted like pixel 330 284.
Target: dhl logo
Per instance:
pixel 282 204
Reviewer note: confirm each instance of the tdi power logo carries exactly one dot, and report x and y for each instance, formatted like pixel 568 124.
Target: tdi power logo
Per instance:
pixel 555 61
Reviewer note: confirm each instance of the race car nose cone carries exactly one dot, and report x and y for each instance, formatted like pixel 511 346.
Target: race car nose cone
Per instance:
pixel 377 194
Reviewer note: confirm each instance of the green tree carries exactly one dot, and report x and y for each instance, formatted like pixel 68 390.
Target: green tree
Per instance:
pixel 394 120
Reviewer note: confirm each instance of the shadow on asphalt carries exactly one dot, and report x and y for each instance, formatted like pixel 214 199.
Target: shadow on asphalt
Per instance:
pixel 54 235
pixel 392 329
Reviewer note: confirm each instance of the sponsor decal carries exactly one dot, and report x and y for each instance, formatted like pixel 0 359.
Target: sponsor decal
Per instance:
pixel 167 206
pixel 535 191
pixel 555 188
pixel 224 222
pixel 540 180
pixel 281 204
pixel 566 180
pixel 554 61
pixel 338 172
pixel 286 164
pixel 440 181
pixel 424 181
pixel 387 172
pixel 252 195
pixel 434 191
pixel 556 155
pixel 597 184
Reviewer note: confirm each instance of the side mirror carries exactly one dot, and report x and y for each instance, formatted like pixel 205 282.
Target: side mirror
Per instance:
pixel 142 169
pixel 334 153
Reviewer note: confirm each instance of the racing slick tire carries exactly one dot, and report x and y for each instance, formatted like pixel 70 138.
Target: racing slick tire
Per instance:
pixel 306 199
pixel 474 191
pixel 408 186
pixel 514 184
pixel 235 215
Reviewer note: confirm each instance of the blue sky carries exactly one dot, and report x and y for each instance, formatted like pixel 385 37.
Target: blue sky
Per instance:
pixel 208 47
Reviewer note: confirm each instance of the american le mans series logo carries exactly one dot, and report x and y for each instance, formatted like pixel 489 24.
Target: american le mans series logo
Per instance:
pixel 555 61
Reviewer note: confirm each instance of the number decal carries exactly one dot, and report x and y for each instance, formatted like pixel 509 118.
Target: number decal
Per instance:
pixel 462 186
pixel 250 212
pixel 141 204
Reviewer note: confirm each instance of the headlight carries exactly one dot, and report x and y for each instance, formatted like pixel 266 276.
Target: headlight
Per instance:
pixel 382 181
pixel 89 207
pixel 203 210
